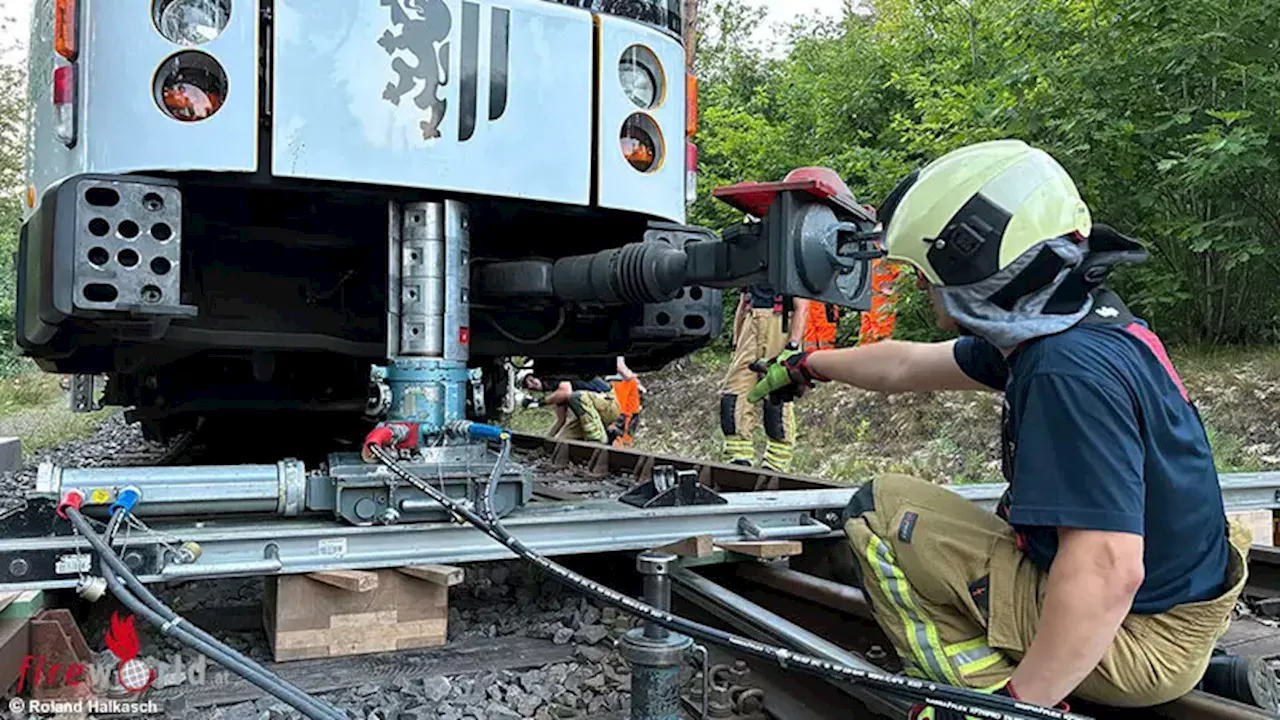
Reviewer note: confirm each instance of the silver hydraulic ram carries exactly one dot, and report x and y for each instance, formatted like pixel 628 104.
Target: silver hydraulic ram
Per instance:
pixel 278 489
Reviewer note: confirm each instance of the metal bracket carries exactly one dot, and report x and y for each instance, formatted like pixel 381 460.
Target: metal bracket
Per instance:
pixel 672 488
pixel 476 376
pixel 84 395
pixel 808 527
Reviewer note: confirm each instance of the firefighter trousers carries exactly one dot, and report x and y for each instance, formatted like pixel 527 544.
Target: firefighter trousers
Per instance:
pixel 589 414
pixel 757 336
pixel 960 601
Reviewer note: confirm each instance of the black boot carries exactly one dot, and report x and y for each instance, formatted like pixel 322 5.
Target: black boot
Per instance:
pixel 1243 679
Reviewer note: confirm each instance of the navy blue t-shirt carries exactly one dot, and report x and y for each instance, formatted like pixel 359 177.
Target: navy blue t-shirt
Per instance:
pixel 1099 435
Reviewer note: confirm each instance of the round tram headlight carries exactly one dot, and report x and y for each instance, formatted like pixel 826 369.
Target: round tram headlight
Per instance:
pixel 640 74
pixel 641 142
pixel 190 86
pixel 191 22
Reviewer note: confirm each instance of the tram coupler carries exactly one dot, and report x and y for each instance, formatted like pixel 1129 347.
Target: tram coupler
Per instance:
pixel 655 653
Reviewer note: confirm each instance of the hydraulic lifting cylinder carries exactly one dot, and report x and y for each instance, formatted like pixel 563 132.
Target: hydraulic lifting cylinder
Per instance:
pixel 654 652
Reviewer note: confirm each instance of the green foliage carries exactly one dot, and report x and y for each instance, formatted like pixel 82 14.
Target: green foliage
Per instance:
pixel 1164 112
pixel 13 108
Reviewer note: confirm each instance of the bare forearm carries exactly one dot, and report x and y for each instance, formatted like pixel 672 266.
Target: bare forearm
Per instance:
pixel 561 416
pixel 1084 605
pixel 892 366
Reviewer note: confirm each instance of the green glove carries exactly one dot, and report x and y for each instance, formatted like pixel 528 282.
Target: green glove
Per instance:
pixel 786 377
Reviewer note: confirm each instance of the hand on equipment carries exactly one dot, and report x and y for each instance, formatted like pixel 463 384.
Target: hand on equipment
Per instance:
pixel 531 402
pixel 786 377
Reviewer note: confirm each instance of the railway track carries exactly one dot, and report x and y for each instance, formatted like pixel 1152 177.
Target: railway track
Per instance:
pixel 574 512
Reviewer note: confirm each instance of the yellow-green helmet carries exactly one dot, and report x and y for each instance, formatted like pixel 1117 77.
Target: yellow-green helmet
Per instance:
pixel 969 214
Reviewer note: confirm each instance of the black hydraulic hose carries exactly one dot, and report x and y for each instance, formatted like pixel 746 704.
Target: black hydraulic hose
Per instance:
pixel 204 642
pixel 938 695
pixel 157 613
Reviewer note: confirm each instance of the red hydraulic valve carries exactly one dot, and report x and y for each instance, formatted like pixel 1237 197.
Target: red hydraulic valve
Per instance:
pixel 71 498
pixel 401 436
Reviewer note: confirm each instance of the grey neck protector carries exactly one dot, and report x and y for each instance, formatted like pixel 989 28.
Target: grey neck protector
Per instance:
pixel 971 306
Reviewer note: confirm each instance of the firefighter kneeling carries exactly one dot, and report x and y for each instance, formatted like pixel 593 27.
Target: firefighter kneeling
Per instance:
pixel 1110 569
pixel 584 408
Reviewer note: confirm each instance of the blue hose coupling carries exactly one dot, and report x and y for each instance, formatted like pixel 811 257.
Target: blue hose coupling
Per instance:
pixel 480 431
pixel 126 499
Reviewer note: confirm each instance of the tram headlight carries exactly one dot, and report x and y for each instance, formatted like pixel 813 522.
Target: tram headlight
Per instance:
pixel 641 143
pixel 191 22
pixel 641 77
pixel 190 86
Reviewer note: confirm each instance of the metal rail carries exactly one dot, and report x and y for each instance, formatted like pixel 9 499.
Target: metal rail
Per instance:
pixel 1241 491
pixel 278 546
pixel 756 621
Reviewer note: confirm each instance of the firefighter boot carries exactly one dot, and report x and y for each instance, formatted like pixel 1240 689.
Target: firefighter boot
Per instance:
pixel 1243 679
pixel 737 449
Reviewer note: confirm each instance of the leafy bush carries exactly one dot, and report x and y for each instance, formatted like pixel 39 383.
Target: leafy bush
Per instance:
pixel 1164 112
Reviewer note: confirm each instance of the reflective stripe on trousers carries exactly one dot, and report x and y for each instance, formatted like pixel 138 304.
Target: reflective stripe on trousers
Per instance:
pixel 922 634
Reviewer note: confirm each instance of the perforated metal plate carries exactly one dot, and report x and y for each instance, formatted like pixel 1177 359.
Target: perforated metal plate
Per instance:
pixel 128 248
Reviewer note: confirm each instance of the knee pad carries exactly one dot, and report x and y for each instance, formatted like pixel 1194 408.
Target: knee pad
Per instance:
pixel 774 425
pixel 862 502
pixel 728 423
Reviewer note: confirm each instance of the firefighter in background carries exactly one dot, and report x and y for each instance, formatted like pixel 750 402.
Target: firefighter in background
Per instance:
pixel 877 323
pixel 627 389
pixel 758 335
pixel 820 332
pixel 584 408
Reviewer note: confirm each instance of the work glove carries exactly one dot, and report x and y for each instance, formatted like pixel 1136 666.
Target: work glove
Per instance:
pixel 920 711
pixel 786 377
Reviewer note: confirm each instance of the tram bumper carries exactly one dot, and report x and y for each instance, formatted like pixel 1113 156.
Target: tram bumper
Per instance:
pixel 106 248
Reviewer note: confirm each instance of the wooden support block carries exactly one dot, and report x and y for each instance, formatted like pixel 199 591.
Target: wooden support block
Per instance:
pixel 306 618
pixel 444 575
pixel 353 580
pixel 24 604
pixel 767 549
pixel 698 546
pixel 1260 522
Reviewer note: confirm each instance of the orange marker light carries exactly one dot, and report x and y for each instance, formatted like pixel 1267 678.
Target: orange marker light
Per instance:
pixel 31 196
pixel 64 29
pixel 691 104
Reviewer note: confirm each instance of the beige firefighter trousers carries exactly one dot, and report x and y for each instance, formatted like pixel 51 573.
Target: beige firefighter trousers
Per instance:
pixel 924 553
pixel 757 335
pixel 589 413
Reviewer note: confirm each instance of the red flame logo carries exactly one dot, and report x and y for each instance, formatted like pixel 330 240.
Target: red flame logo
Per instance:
pixel 122 640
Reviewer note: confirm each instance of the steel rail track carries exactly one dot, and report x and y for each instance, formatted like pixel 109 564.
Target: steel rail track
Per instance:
pixel 1240 491
pixel 271 546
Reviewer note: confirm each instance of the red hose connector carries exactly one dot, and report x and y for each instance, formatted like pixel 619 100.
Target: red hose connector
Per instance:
pixel 71 498
pixel 398 435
